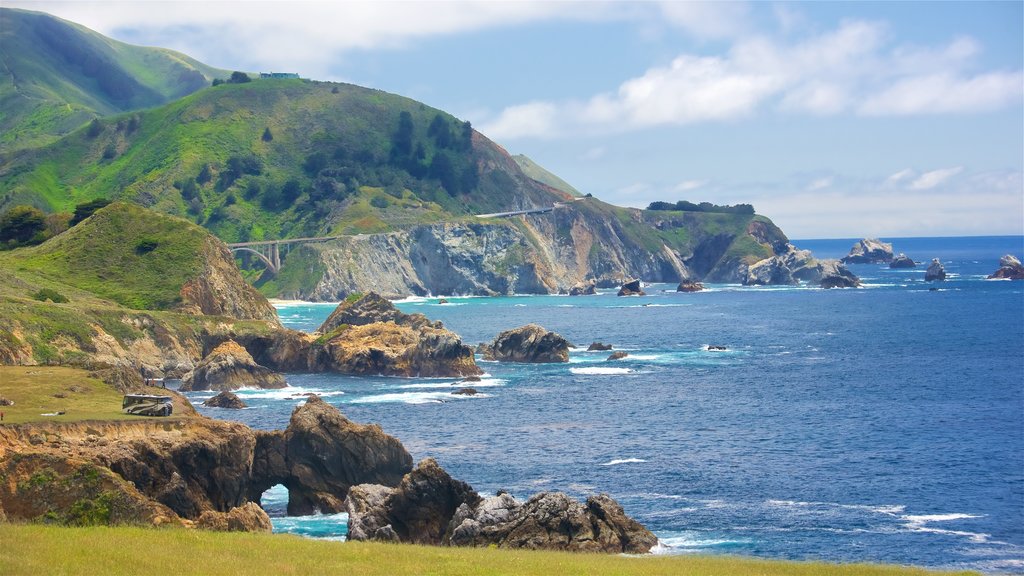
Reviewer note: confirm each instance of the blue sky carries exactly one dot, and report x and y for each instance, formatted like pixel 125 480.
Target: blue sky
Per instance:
pixel 834 119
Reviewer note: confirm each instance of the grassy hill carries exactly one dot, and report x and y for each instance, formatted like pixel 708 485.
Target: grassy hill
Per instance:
pixel 543 175
pixel 280 158
pixel 58 75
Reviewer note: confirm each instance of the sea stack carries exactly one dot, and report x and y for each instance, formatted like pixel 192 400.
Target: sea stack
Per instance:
pixel 631 288
pixel 902 261
pixel 1010 268
pixel 935 272
pixel 869 251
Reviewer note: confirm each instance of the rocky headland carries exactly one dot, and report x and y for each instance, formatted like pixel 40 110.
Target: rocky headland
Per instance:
pixel 229 367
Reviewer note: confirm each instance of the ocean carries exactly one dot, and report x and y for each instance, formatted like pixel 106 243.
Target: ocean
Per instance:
pixel 882 424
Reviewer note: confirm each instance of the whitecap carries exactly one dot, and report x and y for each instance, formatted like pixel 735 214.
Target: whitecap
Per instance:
pixel 482 383
pixel 413 398
pixel 286 393
pixel 599 371
pixel 676 542
pixel 919 523
pixel 623 461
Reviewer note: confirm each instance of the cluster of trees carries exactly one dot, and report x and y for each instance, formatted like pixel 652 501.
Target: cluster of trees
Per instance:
pixel 236 78
pixel 451 146
pixel 27 225
pixel 685 206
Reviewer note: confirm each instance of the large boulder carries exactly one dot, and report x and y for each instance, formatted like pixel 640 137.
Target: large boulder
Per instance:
pixel 935 272
pixel 321 455
pixel 417 511
pixel 230 367
pixel 369 336
pixel 833 274
pixel 530 343
pixel 902 261
pixel 429 507
pixel 225 400
pixel 632 288
pixel 689 286
pixel 869 251
pixel 583 289
pixel 248 517
pixel 1010 268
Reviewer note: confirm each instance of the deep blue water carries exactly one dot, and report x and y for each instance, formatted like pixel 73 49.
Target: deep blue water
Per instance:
pixel 882 424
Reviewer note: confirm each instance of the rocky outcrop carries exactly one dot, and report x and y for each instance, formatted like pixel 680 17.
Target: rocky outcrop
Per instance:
pixel 230 367
pixel 248 517
pixel 869 251
pixel 371 308
pixel 902 261
pixel 184 470
pixel 220 290
pixel 773 271
pixel 530 343
pixel 429 507
pixel 935 272
pixel 321 455
pixel 225 400
pixel 618 355
pixel 1010 268
pixel 583 289
pixel 631 288
pixel 835 275
pixel 369 336
pixel 689 287
pixel 598 346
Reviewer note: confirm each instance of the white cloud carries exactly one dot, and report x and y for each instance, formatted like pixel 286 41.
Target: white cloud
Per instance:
pixel 687 185
pixel 930 180
pixel 900 176
pixel 852 69
pixel 709 20
pixel 819 184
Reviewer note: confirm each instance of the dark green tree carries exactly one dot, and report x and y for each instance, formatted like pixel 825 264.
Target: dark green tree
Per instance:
pixel 86 209
pixel 95 128
pixel 239 78
pixel 267 135
pixel 401 142
pixel 204 175
pixel 22 225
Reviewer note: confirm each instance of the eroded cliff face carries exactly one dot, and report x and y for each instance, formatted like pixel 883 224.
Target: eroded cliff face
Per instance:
pixel 577 242
pixel 220 290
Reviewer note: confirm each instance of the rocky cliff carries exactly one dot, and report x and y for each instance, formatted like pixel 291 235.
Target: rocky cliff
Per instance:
pixel 577 243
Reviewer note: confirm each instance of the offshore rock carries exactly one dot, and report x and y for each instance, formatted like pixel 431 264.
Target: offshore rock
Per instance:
pixel 935 272
pixel 430 507
pixel 688 286
pixel 1010 268
pixel 369 336
pixel 631 288
pixel 530 343
pixel 618 355
pixel 599 347
pixel 869 251
pixel 417 511
pixel 225 400
pixel 230 367
pixel 902 261
pixel 321 455
pixel 372 308
pixel 584 289
pixel 835 275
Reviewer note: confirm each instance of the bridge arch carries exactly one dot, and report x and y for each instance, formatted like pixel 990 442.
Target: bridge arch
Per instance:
pixel 262 257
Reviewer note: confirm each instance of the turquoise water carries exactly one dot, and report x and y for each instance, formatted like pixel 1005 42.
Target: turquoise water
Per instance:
pixel 881 424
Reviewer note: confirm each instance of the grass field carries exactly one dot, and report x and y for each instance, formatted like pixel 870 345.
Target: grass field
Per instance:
pixel 35 390
pixel 36 549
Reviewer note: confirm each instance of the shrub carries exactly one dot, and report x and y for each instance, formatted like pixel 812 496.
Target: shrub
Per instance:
pixel 86 209
pixel 22 225
pixel 239 78
pixel 45 294
pixel 95 128
pixel 267 134
pixel 379 202
pixel 145 246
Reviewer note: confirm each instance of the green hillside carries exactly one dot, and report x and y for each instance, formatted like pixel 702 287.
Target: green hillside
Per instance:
pixel 280 158
pixel 58 75
pixel 542 175
pixel 124 253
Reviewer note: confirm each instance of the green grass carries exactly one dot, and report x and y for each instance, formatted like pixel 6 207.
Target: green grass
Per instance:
pixel 35 549
pixel 135 257
pixel 34 388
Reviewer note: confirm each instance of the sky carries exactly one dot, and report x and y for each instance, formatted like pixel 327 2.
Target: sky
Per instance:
pixel 835 119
